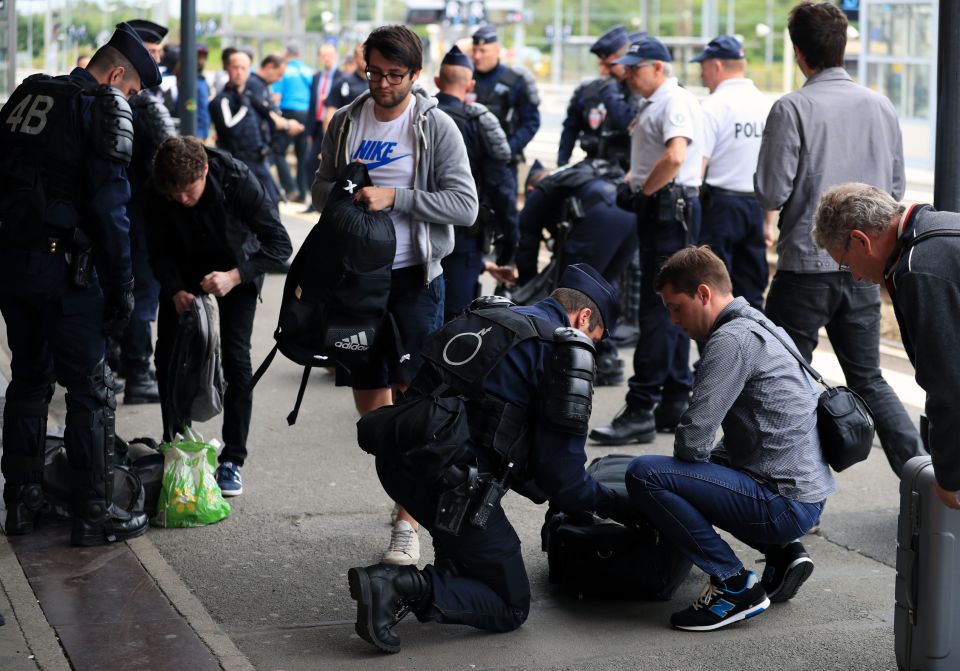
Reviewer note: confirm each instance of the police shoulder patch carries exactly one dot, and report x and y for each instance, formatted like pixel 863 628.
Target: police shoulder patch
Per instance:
pixel 678 118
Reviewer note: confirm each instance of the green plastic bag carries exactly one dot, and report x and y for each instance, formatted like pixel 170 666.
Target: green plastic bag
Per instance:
pixel 189 495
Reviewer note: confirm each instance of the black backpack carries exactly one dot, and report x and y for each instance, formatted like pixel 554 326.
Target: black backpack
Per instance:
pixel 334 304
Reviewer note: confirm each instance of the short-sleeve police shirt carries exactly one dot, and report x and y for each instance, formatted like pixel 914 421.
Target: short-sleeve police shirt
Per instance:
pixel 670 112
pixel 733 120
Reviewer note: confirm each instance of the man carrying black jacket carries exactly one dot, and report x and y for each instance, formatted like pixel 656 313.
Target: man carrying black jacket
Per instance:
pixel 212 229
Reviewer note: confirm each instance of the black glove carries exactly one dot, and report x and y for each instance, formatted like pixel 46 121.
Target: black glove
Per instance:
pixel 619 509
pixel 117 310
pixel 625 197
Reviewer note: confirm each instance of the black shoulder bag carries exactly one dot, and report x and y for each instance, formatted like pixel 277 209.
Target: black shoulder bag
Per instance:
pixel 844 420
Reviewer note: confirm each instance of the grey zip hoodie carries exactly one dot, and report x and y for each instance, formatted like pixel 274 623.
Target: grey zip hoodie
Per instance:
pixel 444 193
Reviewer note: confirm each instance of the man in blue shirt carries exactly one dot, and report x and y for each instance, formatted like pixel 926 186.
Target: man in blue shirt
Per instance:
pixel 766 481
pixel 294 92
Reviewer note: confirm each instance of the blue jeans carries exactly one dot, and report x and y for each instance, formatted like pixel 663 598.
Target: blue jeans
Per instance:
pixel 801 303
pixel 461 275
pixel 685 500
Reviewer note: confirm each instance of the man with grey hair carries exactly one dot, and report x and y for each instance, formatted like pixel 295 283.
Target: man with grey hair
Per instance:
pixel 829 132
pixel 873 237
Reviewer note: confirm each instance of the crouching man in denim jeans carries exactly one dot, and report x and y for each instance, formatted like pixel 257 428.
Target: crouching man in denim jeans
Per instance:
pixel 766 481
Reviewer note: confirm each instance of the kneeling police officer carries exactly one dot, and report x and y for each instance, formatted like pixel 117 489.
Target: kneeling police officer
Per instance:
pixel 524 375
pixel 65 276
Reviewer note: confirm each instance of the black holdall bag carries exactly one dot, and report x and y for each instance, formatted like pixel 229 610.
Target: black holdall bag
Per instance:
pixel 844 420
pixel 334 305
pixel 603 558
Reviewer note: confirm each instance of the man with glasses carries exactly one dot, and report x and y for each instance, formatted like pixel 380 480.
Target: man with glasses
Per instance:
pixel 915 253
pixel 601 109
pixel 831 131
pixel 65 143
pixel 421 176
pixel 665 166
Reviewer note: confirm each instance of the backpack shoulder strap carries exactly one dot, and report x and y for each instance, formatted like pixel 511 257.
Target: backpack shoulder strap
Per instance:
pixel 796 355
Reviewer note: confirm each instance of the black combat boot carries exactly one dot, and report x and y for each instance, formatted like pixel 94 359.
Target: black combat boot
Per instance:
pixel 668 413
pixel 384 595
pixel 609 366
pixel 24 504
pixel 24 442
pixel 632 425
pixel 97 520
pixel 100 522
pixel 141 388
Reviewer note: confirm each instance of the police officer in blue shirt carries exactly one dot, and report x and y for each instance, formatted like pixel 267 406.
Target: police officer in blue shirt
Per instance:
pixel 510 93
pixel 66 278
pixel 601 109
pixel 666 163
pixel 489 152
pixel 152 124
pixel 734 116
pixel 526 373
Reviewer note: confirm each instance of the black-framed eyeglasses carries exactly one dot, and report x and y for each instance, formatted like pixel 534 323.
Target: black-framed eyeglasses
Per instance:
pixel 843 267
pixel 393 78
pixel 637 66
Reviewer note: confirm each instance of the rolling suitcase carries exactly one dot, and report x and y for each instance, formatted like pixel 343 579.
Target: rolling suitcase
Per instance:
pixel 602 558
pixel 927 613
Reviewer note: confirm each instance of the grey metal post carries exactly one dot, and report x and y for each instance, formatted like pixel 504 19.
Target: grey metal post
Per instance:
pixel 11 47
pixel 187 81
pixel 946 189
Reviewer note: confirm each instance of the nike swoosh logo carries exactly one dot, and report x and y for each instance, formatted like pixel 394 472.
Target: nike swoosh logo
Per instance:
pixel 384 161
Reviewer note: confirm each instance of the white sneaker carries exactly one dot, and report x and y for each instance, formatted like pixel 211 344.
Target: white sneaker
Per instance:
pixel 404 547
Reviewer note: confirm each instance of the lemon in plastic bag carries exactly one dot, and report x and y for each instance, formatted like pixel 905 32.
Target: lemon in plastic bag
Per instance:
pixel 189 495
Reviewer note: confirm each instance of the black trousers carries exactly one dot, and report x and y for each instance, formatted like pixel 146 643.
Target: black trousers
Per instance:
pixel 478 578
pixel 55 333
pixel 237 310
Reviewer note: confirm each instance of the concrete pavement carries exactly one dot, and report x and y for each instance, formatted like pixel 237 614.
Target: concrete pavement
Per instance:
pixel 266 588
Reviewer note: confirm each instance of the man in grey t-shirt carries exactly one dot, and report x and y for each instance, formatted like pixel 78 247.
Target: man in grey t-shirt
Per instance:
pixel 766 481
pixel 829 132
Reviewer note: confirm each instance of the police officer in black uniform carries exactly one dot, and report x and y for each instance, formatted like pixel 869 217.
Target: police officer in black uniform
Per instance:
pixel 489 152
pixel 152 124
pixel 66 278
pixel 526 375
pixel 239 127
pixel 510 93
pixel 577 205
pixel 601 109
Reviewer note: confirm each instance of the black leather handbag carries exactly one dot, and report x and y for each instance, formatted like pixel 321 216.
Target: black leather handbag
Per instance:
pixel 844 420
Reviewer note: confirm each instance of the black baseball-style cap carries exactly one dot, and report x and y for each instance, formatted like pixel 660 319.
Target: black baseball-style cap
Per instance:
pixel 610 42
pixel 485 35
pixel 725 47
pixel 645 49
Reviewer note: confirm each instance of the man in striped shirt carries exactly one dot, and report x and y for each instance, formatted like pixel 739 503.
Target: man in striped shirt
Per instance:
pixel 766 481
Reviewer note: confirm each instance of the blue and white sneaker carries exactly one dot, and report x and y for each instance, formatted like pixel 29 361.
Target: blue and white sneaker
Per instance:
pixel 229 480
pixel 720 604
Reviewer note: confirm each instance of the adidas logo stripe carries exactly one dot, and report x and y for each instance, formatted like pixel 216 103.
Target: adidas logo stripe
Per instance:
pixel 355 343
